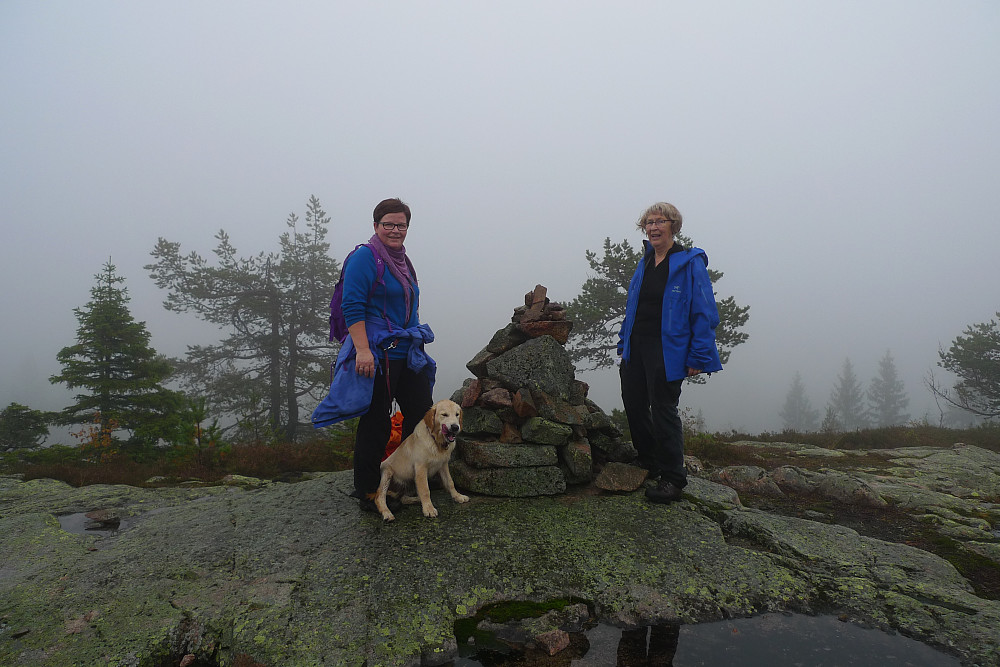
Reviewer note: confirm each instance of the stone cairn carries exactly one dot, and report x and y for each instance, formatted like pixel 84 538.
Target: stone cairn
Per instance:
pixel 528 427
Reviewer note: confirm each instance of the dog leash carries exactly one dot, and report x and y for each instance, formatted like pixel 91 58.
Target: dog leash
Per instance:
pixel 388 388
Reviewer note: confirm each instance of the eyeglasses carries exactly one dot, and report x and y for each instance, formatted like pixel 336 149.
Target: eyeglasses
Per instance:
pixel 389 226
pixel 658 223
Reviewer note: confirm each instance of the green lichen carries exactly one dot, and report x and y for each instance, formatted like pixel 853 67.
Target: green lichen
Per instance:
pixel 296 575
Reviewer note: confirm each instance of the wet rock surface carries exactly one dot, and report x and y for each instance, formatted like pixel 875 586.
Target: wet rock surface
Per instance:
pixel 296 574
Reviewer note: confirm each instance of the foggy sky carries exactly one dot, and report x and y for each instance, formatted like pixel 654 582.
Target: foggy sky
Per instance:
pixel 836 160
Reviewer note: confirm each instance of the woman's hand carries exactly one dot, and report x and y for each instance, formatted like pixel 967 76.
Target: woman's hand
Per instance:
pixel 693 371
pixel 364 363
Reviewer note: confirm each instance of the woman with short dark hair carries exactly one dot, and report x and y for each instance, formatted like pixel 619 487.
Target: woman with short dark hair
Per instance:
pixel 382 359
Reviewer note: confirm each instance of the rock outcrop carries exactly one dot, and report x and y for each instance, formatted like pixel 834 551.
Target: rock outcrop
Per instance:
pixel 528 427
pixel 295 574
pixel 955 489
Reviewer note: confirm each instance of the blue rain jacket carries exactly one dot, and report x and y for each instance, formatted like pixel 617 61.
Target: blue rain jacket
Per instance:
pixel 351 394
pixel 689 314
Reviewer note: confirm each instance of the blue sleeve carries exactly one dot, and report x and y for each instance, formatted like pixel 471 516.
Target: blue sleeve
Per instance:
pixel 703 353
pixel 359 274
pixel 631 300
pixel 368 297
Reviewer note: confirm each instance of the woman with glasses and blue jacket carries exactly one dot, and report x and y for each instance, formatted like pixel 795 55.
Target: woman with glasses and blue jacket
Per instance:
pixel 382 358
pixel 668 335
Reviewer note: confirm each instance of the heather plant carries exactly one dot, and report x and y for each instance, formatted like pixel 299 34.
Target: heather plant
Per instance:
pixel 98 460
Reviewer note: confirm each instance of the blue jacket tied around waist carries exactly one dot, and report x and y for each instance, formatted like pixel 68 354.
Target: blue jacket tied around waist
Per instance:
pixel 350 393
pixel 690 315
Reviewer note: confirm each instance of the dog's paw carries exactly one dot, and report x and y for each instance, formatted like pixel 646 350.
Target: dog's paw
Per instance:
pixel 430 511
pixel 388 516
pixel 460 498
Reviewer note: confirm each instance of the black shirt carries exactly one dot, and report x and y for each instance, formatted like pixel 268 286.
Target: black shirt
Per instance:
pixel 649 310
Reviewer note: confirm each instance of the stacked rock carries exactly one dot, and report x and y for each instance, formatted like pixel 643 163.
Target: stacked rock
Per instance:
pixel 528 427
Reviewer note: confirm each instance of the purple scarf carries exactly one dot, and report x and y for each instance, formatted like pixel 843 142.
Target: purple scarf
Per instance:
pixel 400 267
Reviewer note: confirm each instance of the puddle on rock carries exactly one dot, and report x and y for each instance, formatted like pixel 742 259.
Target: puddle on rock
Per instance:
pixel 99 523
pixel 771 640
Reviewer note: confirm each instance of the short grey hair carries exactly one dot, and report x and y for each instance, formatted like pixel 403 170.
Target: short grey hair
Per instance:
pixel 668 211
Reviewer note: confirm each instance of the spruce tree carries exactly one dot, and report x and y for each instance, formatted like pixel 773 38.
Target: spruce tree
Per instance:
pixel 121 376
pixel 830 422
pixel 887 399
pixel 848 399
pixel 798 414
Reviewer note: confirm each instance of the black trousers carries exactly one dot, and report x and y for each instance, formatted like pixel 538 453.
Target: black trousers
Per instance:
pixel 651 407
pixel 413 393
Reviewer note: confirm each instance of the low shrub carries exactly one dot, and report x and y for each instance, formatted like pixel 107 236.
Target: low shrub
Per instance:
pixel 207 464
pixel 333 451
pixel 918 435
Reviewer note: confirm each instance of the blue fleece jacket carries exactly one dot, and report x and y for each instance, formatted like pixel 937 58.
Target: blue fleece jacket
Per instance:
pixel 387 301
pixel 690 315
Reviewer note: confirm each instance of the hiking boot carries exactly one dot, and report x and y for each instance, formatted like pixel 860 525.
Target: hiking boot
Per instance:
pixel 664 492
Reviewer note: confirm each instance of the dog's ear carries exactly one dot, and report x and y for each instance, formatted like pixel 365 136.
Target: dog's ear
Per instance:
pixel 429 420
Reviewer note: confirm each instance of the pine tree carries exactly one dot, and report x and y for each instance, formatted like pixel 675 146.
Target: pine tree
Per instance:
pixel 112 362
pixel 887 399
pixel 847 400
pixel 275 308
pixel 599 310
pixel 798 414
pixel 975 358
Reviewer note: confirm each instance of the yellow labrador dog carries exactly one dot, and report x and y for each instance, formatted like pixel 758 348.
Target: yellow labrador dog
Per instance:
pixel 425 453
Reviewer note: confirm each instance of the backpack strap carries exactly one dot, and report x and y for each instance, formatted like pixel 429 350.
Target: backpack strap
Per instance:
pixel 379 269
pixel 379 279
pixel 338 327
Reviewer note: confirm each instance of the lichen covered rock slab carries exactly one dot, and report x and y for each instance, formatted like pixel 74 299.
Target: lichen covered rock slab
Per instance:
pixel 296 574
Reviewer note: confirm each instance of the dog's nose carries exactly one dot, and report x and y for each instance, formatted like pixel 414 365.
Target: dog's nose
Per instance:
pixel 454 428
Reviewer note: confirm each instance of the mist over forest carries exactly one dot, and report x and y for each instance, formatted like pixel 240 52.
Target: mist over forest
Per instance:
pixel 835 161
